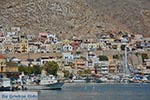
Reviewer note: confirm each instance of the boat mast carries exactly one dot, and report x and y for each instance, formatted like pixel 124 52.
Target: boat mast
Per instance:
pixel 126 60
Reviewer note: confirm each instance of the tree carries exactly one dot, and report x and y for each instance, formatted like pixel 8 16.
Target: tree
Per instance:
pixel 122 47
pixel 66 73
pixel 115 56
pixel 37 69
pixel 25 69
pixel 103 58
pixel 144 56
pixel 51 67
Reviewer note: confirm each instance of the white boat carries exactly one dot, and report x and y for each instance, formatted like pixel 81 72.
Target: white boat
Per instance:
pixel 45 83
pixel 5 85
pixel 78 81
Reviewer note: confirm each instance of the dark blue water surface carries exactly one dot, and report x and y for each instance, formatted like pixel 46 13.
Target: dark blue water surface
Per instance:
pixel 93 91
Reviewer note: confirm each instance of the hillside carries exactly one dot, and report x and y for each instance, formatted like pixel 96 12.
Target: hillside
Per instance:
pixel 132 14
pixel 80 17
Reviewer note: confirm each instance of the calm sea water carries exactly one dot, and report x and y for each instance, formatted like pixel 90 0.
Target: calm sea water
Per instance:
pixel 92 91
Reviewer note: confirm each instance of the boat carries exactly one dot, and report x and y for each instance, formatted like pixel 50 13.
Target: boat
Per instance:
pixel 79 81
pixel 44 83
pixel 6 85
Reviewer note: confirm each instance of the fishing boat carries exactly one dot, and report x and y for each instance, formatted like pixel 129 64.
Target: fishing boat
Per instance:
pixel 45 83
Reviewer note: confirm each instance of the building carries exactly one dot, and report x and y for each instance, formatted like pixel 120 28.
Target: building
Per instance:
pixel 11 67
pixel 2 64
pixel 24 46
pixel 102 68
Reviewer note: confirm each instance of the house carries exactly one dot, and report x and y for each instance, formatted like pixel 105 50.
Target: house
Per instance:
pixel 75 45
pixel 77 40
pixel 15 60
pixel 2 37
pixel 146 67
pixel 68 58
pixel 1 48
pixel 30 37
pixel 83 46
pixel 104 38
pixel 53 48
pixel 15 29
pixel 80 64
pixel 2 64
pixel 92 59
pixel 15 39
pixel 24 46
pixel 11 67
pixel 116 46
pixel 92 46
pixel 77 55
pixel 45 59
pixel 102 68
pixel 113 68
pixel 59 47
pixel 8 40
pixel 52 38
pixel 8 48
pixel 138 37
pixel 67 48
pixel 23 36
pixel 43 37
pixel 33 48
pixel 45 48
pixel 17 48
pixel 147 42
pixel 10 34
pixel 6 67
pixel 124 40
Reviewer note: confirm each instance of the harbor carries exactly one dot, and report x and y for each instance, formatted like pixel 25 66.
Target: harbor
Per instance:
pixel 84 91
pixel 96 91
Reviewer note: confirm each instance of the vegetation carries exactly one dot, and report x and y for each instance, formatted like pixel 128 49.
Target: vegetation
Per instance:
pixel 67 74
pixel 36 69
pixel 51 67
pixel 122 47
pixel 25 69
pixel 116 57
pixel 103 58
pixel 84 73
pixel 144 56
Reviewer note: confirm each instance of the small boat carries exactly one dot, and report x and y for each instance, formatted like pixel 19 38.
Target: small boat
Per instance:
pixel 78 81
pixel 5 85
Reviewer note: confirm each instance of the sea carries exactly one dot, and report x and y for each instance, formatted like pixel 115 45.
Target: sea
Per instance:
pixel 98 91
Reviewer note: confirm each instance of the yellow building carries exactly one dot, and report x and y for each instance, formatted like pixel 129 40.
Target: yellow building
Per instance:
pixel 113 69
pixel 80 64
pixel 2 63
pixel 24 47
pixel 7 66
pixel 11 67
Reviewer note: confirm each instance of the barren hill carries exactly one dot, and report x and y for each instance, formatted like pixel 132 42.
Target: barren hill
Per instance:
pixel 80 17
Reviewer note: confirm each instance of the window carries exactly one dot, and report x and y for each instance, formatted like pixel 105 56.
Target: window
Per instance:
pixel 2 68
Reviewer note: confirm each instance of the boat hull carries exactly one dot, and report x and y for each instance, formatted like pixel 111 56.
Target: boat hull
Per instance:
pixel 53 86
pixel 5 89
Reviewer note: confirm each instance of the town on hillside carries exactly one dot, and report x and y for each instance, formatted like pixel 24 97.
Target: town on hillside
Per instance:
pixel 108 55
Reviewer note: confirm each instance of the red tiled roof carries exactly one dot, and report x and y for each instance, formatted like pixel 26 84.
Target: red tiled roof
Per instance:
pixel 1 56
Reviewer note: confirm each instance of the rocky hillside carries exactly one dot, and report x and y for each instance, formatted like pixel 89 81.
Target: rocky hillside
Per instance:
pixel 132 14
pixel 80 17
